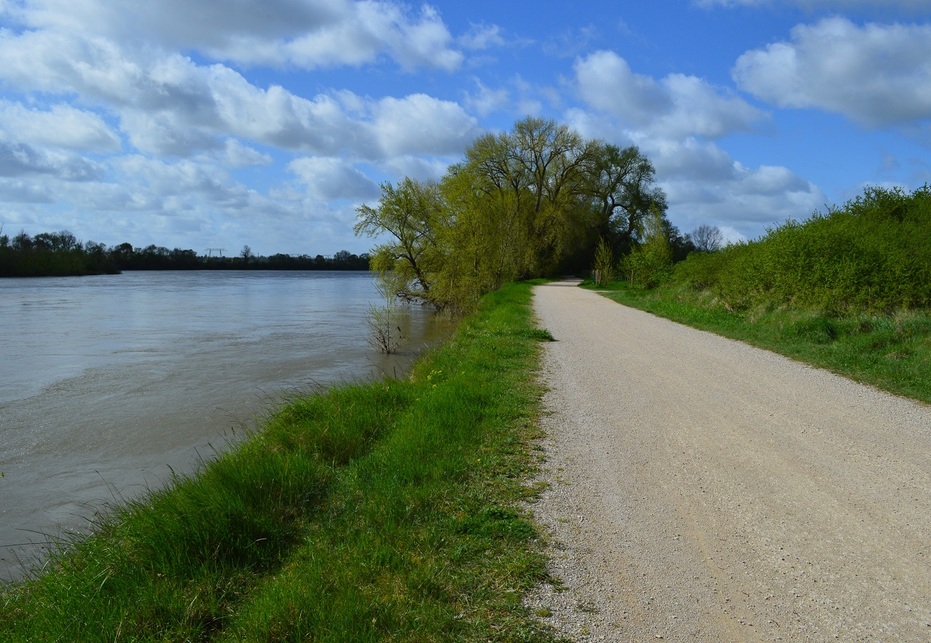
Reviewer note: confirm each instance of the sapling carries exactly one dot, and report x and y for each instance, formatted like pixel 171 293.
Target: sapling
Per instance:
pixel 383 320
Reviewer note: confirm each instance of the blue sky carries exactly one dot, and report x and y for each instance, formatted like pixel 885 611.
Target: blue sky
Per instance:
pixel 197 123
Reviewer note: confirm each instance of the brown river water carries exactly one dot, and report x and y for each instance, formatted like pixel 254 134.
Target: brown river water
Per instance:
pixel 110 383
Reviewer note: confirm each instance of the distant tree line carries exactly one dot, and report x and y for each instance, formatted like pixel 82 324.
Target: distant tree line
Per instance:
pixel 61 254
pixel 539 200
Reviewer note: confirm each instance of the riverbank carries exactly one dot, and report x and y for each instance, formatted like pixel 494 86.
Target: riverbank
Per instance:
pixel 369 512
pixel 166 368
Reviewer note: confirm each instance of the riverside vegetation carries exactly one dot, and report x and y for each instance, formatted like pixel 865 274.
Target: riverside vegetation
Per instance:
pixel 848 290
pixel 385 511
pixel 381 511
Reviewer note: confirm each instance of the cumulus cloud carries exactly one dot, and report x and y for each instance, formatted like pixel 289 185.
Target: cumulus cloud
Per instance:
pixel 606 82
pixel 167 104
pixel 704 184
pixel 304 33
pixel 22 191
pixel 482 36
pixel 485 100
pixel 674 121
pixel 675 106
pixel 237 155
pixel 421 123
pixel 20 159
pixel 876 75
pixel 333 178
pixel 59 126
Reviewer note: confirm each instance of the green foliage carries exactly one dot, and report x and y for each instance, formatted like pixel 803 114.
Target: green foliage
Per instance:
pixel 382 511
pixel 60 254
pixel 622 192
pixel 651 259
pixel 526 203
pixel 872 255
pixel 410 214
pixel 604 264
pixel 52 254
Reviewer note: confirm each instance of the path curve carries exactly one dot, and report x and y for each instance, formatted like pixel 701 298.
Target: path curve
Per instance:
pixel 704 490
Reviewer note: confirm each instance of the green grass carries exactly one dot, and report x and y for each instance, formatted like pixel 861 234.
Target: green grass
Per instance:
pixel 890 351
pixel 387 511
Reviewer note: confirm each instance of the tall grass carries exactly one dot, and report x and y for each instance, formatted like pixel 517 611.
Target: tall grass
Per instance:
pixel 384 511
pixel 873 256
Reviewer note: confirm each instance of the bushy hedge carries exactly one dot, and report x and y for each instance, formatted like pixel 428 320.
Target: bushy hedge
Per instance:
pixel 872 255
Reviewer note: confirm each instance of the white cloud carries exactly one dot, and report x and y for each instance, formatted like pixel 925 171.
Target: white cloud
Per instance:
pixel 167 104
pixel 333 178
pixel 183 182
pixel 876 75
pixel 61 63
pixel 485 100
pixel 59 126
pixel 366 31
pixel 607 83
pixel 237 155
pixel 19 191
pixel 705 185
pixel 675 106
pixel 422 124
pixel 19 160
pixel 700 109
pixel 481 37
pixel 304 33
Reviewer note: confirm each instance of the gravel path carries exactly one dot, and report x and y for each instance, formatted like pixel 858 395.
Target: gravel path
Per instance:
pixel 703 490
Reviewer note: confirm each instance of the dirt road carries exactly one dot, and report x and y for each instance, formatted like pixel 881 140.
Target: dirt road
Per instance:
pixel 704 490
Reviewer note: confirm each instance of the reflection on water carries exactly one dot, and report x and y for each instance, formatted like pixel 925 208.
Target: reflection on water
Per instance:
pixel 109 383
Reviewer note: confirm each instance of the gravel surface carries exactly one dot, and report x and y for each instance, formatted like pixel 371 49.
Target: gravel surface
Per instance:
pixel 704 490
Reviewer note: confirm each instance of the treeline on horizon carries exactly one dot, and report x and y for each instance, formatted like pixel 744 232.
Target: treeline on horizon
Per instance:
pixel 54 254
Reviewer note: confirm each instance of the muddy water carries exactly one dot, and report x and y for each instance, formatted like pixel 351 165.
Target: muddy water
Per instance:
pixel 109 383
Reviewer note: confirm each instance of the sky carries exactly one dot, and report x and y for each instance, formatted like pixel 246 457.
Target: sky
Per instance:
pixel 200 124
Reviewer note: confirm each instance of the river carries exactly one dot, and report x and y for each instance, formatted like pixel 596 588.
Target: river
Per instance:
pixel 110 383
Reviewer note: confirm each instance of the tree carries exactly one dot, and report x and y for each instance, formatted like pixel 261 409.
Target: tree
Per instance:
pixel 651 258
pixel 246 254
pixel 604 264
pixel 532 179
pixel 531 202
pixel 707 238
pixel 409 215
pixel 622 190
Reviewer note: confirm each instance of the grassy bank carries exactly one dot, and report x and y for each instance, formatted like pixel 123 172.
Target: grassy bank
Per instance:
pixel 384 511
pixel 891 350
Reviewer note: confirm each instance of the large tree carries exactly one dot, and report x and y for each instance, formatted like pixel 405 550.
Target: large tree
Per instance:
pixel 529 202
pixel 534 177
pixel 623 192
